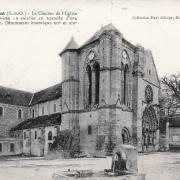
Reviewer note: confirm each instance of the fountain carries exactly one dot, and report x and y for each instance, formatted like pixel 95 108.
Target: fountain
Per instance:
pixel 123 167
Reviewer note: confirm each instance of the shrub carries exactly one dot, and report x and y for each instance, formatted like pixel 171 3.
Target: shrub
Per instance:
pixel 110 146
pixel 100 142
pixel 67 140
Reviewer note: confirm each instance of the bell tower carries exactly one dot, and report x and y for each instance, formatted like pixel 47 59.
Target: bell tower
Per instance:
pixel 70 84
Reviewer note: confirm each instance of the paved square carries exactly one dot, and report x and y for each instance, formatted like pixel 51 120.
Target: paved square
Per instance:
pixel 157 166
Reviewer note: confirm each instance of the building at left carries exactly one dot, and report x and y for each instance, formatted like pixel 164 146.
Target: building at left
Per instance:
pixel 29 121
pixel 13 110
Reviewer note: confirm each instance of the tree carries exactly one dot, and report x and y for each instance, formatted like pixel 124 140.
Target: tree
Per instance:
pixel 170 93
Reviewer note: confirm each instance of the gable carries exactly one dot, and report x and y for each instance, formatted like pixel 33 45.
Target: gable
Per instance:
pixel 150 72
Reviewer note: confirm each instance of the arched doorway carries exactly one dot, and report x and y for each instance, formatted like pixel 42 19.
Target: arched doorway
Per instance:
pixel 125 136
pixel 149 128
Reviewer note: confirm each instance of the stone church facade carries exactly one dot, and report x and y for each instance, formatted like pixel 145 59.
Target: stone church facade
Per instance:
pixel 109 93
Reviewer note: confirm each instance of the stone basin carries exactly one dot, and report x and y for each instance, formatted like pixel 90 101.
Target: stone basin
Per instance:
pixel 88 175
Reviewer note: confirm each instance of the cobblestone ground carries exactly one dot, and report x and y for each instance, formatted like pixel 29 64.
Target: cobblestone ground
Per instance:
pixel 157 166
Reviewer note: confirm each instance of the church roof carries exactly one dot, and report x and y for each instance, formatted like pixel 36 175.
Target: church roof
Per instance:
pixel 23 98
pixel 72 45
pixel 47 94
pixel 14 96
pixel 96 36
pixel 40 121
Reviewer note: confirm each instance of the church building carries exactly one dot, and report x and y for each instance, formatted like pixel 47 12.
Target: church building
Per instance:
pixel 109 93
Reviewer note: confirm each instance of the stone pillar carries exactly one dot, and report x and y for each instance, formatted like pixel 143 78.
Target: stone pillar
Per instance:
pixel 118 134
pixel 167 135
pixel 157 140
pixel 138 73
pixel 106 141
pixel 115 65
pixel 105 56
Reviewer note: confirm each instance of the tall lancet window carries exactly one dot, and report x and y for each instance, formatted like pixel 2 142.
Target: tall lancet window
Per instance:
pixel 89 72
pixel 96 69
pixel 125 84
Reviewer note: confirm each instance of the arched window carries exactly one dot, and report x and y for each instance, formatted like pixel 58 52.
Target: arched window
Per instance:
pixel 35 135
pixel 19 114
pixel 11 147
pixel 89 72
pixel 1 111
pixel 54 107
pixel 148 94
pixel 122 82
pixel 50 135
pixel 33 114
pixel 24 135
pixel 125 136
pixel 0 147
pixel 89 129
pixel 125 84
pixel 96 69
pixel 43 110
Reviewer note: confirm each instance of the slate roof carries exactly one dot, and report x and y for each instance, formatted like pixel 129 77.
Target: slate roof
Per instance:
pixel 47 94
pixel 23 98
pixel 99 32
pixel 72 45
pixel 40 121
pixel 14 97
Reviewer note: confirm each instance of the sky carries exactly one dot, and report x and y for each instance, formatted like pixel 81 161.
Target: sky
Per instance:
pixel 29 57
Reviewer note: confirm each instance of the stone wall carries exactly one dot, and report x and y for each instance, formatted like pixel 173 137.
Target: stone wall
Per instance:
pixel 123 120
pixel 104 122
pixel 54 131
pixel 10 117
pixel 6 144
pixel 48 108
pixel 37 142
pixel 26 141
pixel 174 136
pixel 88 141
pixel 33 144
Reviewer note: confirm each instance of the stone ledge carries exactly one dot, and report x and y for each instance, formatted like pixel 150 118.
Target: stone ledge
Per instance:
pixel 59 176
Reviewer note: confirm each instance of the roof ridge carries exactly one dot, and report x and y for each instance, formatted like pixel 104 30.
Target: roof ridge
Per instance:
pixel 50 93
pixel 5 87
pixel 47 88
pixel 31 99
pixel 97 34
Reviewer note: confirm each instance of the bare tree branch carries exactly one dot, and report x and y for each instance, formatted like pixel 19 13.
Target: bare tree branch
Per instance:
pixel 170 92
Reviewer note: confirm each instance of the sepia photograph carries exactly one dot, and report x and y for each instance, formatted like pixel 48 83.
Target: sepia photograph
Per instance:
pixel 90 90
